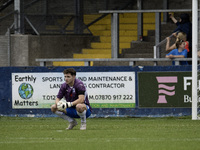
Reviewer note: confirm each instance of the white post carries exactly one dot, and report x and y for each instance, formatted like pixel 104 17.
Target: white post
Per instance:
pixel 19 17
pixel 194 57
pixel 115 35
pixel 158 32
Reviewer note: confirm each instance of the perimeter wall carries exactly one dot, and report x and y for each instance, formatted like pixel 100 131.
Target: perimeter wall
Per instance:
pixel 154 91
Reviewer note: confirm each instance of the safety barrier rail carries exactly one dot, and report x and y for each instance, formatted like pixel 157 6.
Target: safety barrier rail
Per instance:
pixel 131 61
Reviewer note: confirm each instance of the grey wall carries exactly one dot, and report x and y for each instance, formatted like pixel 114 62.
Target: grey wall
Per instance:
pixel 19 50
pixel 26 48
pixel 4 43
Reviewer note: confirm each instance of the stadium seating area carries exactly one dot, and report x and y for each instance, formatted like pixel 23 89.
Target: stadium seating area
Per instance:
pixel 102 29
pixel 56 18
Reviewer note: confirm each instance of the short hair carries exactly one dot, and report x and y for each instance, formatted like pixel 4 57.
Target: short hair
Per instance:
pixel 71 71
pixel 178 43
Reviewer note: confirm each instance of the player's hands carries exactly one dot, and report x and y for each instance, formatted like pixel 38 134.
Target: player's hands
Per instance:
pixel 68 104
pixel 62 105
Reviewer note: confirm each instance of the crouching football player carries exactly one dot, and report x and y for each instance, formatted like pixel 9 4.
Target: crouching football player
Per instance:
pixel 76 105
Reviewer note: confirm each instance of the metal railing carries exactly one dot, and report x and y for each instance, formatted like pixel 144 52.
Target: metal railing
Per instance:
pixel 115 26
pixel 155 48
pixel 132 61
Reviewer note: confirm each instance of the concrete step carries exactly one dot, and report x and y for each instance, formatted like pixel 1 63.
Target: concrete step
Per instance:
pixel 128 15
pixel 96 51
pixel 99 27
pixel 139 45
pixel 149 26
pixel 134 20
pixel 91 55
pixel 136 51
pixel 152 38
pixel 128 26
pixel 73 63
pixel 163 32
pixel 151 33
pixel 121 38
pixel 121 33
pixel 122 26
pixel 101 45
pixel 128 33
pixel 103 21
pixel 140 55
pixel 101 33
pixel 108 45
pixel 128 20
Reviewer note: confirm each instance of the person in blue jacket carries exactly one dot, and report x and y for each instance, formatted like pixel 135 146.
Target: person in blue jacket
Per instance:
pixel 179 52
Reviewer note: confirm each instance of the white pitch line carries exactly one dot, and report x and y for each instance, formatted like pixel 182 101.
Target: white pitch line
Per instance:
pixel 47 140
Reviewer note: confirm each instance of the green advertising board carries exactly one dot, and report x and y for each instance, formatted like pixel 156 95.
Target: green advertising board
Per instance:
pixel 164 89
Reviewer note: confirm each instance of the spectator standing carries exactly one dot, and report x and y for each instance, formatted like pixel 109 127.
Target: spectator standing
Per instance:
pixel 184 25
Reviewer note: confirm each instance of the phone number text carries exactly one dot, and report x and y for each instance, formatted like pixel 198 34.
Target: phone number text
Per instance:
pixel 110 97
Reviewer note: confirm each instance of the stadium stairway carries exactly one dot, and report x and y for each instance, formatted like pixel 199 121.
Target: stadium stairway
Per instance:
pixel 144 49
pixel 102 29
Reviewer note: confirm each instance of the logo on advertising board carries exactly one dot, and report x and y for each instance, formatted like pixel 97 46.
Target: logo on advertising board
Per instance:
pixel 164 89
pixel 25 90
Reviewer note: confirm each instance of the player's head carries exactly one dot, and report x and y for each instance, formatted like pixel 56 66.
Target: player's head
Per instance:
pixel 71 71
pixel 69 75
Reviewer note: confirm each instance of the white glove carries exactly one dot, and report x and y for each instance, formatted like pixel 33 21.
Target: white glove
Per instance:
pixel 69 104
pixel 62 105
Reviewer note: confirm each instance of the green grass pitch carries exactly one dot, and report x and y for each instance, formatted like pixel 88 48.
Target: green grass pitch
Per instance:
pixel 18 133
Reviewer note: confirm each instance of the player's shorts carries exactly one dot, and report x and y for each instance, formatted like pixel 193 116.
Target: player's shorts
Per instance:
pixel 71 112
